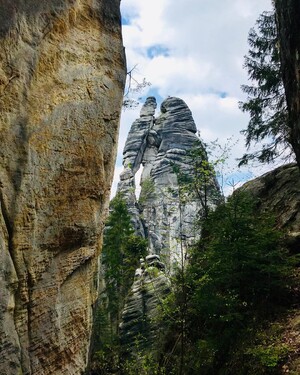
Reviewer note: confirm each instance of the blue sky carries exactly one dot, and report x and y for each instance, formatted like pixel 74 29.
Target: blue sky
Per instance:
pixel 193 49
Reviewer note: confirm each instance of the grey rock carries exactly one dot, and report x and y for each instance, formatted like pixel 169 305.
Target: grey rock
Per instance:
pixel 278 192
pixel 168 224
pixel 149 107
pixel 141 327
pixel 152 257
pixel 158 144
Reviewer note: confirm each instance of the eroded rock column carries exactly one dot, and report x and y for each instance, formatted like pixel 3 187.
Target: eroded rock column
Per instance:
pixel 62 72
pixel 158 145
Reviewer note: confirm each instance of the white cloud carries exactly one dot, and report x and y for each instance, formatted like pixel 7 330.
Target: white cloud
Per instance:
pixel 206 41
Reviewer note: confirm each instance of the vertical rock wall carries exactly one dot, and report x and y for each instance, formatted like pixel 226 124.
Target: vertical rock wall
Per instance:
pixel 62 72
pixel 163 214
pixel 141 329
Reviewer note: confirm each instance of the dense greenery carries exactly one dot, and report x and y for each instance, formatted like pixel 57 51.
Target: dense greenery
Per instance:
pixel 121 252
pixel 223 315
pixel 120 256
pixel 238 278
pixel 266 103
pixel 218 318
pixel 200 182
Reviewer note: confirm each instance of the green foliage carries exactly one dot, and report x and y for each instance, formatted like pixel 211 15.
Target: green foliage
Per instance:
pixel 143 364
pixel 200 181
pixel 241 243
pixel 239 275
pixel 263 350
pixel 147 191
pixel 266 103
pixel 268 355
pixel 121 253
pixel 120 257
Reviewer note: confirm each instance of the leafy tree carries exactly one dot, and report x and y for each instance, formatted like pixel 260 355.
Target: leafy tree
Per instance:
pixel 200 181
pixel 266 103
pixel 239 274
pixel 121 253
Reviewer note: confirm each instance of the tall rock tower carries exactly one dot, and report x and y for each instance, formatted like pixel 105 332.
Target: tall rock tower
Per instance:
pixel 162 147
pixel 166 213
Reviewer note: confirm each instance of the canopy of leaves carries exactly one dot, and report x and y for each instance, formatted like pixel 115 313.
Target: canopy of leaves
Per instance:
pixel 239 275
pixel 266 103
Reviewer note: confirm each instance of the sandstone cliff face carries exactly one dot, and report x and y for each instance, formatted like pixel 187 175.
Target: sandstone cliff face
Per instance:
pixel 278 192
pixel 158 144
pixel 62 73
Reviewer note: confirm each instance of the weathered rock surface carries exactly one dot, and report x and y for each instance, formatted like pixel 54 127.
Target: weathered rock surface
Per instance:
pixel 141 330
pixel 163 214
pixel 157 144
pixel 278 192
pixel 61 83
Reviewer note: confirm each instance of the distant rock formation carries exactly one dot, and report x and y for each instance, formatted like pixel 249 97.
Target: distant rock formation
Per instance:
pixel 159 144
pixel 62 73
pixel 162 214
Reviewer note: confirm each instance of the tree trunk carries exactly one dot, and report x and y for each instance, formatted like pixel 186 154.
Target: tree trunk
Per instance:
pixel 288 23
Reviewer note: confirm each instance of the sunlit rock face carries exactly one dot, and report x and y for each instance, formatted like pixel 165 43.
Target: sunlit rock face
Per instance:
pixel 162 145
pixel 62 73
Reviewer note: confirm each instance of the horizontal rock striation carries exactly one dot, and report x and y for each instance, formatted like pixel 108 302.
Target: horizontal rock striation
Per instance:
pixel 161 146
pixel 164 214
pixel 62 72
